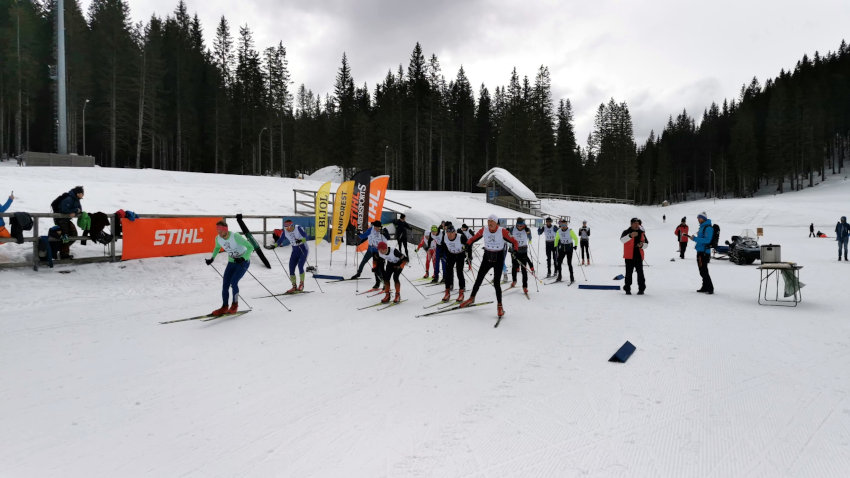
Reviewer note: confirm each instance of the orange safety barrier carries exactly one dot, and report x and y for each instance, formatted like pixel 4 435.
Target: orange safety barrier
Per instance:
pixel 165 237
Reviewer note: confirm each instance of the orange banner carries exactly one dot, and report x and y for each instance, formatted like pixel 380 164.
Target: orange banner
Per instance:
pixel 377 192
pixel 167 237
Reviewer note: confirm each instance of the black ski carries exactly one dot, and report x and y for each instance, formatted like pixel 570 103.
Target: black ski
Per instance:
pixel 456 307
pixel 235 314
pixel 498 321
pixel 286 293
pixel 203 317
pixel 345 280
pixel 253 242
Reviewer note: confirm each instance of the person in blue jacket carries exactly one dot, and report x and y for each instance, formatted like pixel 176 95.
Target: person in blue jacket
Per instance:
pixel 4 233
pixel 702 241
pixel 842 234
pixel 69 204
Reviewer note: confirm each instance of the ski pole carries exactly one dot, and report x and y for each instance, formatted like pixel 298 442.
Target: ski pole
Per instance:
pixel 411 284
pixel 267 290
pixel 240 295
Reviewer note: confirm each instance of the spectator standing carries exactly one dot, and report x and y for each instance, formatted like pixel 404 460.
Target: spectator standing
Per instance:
pixel 702 239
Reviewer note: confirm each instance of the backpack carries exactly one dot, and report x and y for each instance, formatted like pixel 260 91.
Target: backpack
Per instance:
pixel 24 220
pixel 716 236
pixel 56 202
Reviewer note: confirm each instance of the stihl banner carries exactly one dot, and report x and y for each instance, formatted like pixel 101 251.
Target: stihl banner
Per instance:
pixel 164 237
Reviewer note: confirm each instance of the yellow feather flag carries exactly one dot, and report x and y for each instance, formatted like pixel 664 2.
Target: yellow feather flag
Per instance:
pixel 342 209
pixel 322 212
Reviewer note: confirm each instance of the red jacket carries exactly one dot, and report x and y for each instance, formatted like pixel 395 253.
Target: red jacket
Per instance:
pixel 681 232
pixel 630 244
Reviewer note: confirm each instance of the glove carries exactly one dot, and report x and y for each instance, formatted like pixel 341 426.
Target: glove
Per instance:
pixel 65 238
pixel 208 261
pixel 239 260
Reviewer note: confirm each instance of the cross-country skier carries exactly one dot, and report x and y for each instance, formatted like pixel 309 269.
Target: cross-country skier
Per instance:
pixel 430 247
pixel 468 233
pixel 395 262
pixel 238 251
pixel 584 242
pixel 519 257
pixel 548 231
pixel 495 238
pixel 374 235
pixel 565 241
pixel 454 250
pixel 439 260
pixel 297 237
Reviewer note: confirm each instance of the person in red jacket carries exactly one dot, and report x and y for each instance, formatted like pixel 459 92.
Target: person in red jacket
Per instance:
pixel 495 239
pixel 634 243
pixel 681 233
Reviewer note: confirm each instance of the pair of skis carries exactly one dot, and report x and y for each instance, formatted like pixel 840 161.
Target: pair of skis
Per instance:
pixel 454 307
pixel 386 305
pixel 207 317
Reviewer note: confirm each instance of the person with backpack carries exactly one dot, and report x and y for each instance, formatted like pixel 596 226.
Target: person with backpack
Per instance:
pixel 842 234
pixel 4 233
pixel 238 251
pixel 681 233
pixel 703 240
pixel 67 203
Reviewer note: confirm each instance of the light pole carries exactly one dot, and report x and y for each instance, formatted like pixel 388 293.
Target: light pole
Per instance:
pixel 713 182
pixel 260 150
pixel 84 126
pixel 386 148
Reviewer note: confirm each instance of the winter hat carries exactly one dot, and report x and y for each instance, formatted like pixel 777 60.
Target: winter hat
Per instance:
pixel 450 228
pixel 288 221
pixel 376 223
pixel 464 225
pixel 382 245
pixel 702 215
pixel 78 190
pixel 433 228
pixel 520 221
pixel 684 219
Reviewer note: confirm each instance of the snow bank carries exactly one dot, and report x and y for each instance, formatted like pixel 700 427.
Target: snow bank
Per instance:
pixel 328 173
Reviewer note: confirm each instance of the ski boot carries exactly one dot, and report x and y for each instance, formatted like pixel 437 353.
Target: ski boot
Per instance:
pixel 525 290
pixel 427 275
pixel 459 296
pixel 468 302
pixel 233 308
pixel 436 279
pixel 293 289
pixel 500 310
pixel 513 284
pixel 397 298
pixel 301 286
pixel 220 311
pixel 355 276
pixel 447 295
pixel 386 295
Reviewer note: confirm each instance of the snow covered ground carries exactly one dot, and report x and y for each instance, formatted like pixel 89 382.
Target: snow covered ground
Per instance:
pixel 92 385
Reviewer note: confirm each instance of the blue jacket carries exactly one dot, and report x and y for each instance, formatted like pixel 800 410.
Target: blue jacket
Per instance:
pixel 842 230
pixel 368 232
pixel 703 238
pixel 3 208
pixel 71 204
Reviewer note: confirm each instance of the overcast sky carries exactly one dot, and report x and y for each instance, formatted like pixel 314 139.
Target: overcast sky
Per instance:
pixel 659 56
